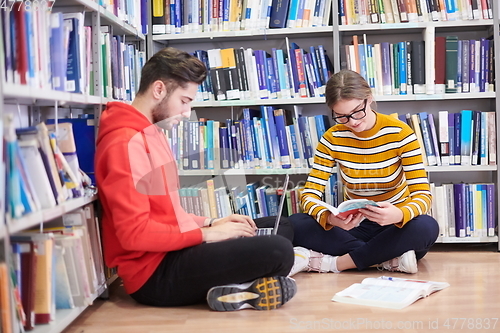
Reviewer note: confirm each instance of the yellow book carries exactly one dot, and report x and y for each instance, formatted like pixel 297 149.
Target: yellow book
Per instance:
pixel 211 198
pixel 157 8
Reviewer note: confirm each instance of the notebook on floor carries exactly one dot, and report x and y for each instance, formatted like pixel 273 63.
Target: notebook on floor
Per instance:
pixel 274 230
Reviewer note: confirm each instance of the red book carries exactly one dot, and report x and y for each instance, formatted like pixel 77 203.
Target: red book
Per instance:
pixel 21 61
pixel 440 64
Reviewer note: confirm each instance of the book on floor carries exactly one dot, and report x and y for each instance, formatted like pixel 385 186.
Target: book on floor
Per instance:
pixel 347 207
pixel 388 292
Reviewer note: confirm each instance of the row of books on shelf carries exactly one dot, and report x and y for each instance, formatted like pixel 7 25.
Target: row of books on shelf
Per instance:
pixel 459 66
pixel 254 199
pixel 396 11
pixel 133 12
pixel 195 16
pixel 122 63
pixel 461 138
pixel 243 74
pixel 61 268
pixel 268 137
pixel 54 51
pixel 465 210
pixel 42 167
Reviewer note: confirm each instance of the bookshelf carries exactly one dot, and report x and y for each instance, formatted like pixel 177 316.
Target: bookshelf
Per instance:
pixel 333 37
pixel 36 102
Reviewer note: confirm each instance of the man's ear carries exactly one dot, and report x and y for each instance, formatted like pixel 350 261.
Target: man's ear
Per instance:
pixel 158 89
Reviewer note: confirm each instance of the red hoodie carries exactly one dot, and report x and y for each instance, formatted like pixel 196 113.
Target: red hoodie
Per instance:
pixel 138 187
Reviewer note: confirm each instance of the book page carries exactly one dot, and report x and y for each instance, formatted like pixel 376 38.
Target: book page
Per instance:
pixel 426 286
pixel 396 295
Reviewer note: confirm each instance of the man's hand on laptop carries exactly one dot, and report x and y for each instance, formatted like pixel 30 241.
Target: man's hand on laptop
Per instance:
pixel 237 219
pixel 227 229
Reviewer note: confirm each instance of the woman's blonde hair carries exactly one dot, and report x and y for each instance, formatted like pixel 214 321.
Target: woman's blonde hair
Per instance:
pixel 346 85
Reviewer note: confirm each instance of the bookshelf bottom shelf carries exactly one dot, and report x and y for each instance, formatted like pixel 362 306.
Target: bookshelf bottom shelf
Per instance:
pixel 63 319
pixel 445 240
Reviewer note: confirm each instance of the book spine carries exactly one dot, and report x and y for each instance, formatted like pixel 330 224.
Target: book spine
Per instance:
pixel 282 140
pixel 460 209
pixel 491 210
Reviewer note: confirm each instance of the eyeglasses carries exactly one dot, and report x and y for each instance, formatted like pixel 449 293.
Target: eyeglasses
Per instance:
pixel 356 115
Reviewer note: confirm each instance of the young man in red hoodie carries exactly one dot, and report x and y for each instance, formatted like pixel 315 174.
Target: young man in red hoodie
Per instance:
pixel 165 256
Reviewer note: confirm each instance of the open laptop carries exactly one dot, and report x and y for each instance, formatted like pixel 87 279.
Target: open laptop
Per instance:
pixel 274 230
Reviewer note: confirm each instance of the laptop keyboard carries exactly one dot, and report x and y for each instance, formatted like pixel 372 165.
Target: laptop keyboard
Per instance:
pixel 264 231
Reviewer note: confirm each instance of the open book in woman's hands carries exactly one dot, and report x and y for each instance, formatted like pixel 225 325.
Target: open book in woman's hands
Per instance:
pixel 346 208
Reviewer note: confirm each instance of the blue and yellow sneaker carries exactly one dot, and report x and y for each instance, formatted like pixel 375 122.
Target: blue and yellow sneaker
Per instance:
pixel 262 294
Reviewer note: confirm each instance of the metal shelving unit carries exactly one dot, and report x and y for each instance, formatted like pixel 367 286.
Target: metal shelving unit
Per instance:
pixel 33 100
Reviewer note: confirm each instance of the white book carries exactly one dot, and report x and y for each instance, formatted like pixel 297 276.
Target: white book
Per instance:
pixel 346 208
pixel 449 198
pixel 429 35
pixel 441 215
pixel 37 173
pixel 388 292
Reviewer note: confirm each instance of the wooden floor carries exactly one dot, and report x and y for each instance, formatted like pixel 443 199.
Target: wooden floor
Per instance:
pixel 471 303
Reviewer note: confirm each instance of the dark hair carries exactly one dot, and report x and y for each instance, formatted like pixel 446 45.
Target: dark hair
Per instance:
pixel 174 67
pixel 346 85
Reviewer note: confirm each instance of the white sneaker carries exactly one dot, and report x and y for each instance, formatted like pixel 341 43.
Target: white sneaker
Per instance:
pixel 301 262
pixel 311 261
pixel 406 263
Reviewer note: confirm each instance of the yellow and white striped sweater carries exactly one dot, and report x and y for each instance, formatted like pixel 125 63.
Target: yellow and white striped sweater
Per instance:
pixel 381 164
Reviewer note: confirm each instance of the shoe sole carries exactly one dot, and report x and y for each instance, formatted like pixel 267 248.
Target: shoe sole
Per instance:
pixel 262 294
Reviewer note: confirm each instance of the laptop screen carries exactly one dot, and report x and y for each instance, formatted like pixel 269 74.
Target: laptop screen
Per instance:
pixel 281 205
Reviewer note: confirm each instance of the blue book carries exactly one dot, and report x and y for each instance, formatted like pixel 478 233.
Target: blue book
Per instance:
pixel 268 116
pixel 262 73
pixel 459 66
pixel 402 69
pixel 194 140
pixel 485 45
pixel 362 61
pixel 279 118
pixel 272 201
pixel 293 14
pixel 293 68
pixel 426 137
pixel 295 148
pixel 469 223
pixel 434 138
pixel 483 145
pixel 225 14
pixel 309 75
pixel 323 63
pixel 248 115
pixel 279 13
pixel 210 144
pixel 460 195
pixel 144 16
pixel 451 137
pixel 252 196
pixel 473 83
pixel 476 132
pixel 465 137
pixel 58 61
pixel 306 140
pixel 225 152
pixel 266 140
pixel 258 144
pixel 491 211
pixel 282 76
pixel 262 202
pixel 313 52
pixel 272 80
pixel 458 139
